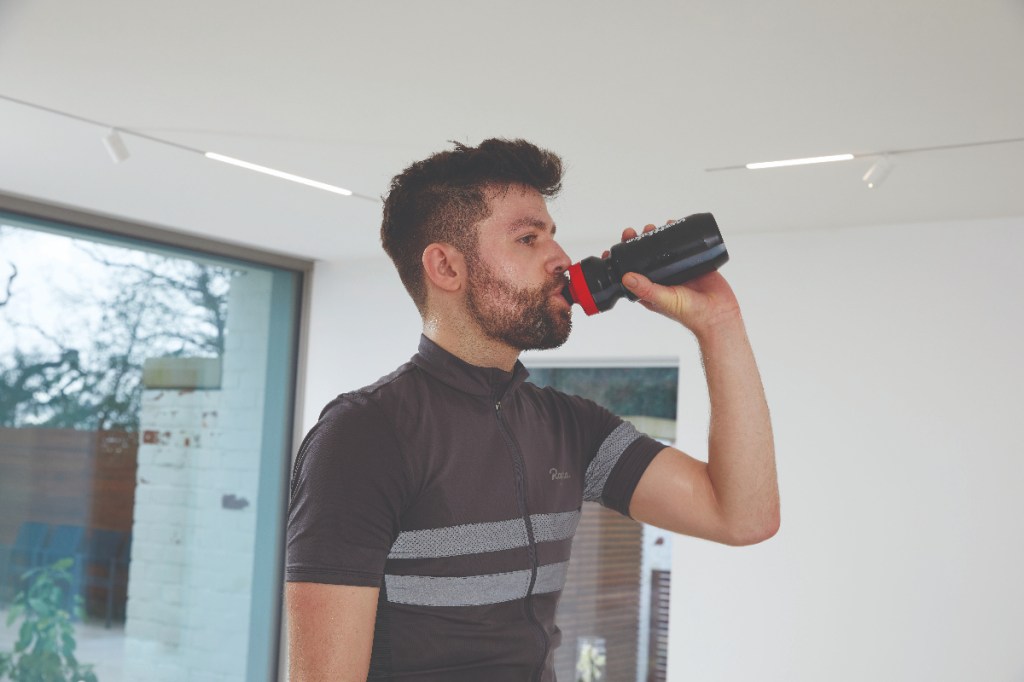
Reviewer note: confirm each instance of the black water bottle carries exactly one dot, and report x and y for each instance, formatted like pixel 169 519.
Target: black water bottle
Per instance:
pixel 671 254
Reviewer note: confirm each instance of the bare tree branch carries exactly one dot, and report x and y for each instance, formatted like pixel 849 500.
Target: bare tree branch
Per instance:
pixel 91 378
pixel 10 282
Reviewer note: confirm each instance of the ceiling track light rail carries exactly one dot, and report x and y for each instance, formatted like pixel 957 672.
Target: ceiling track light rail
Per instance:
pixel 878 172
pixel 113 141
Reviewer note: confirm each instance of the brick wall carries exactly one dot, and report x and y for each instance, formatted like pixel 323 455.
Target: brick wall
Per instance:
pixel 195 511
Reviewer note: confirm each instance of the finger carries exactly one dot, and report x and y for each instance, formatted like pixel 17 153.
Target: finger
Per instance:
pixel 606 254
pixel 649 227
pixel 628 234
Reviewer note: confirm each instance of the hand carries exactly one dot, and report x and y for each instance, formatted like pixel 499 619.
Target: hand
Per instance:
pixel 698 305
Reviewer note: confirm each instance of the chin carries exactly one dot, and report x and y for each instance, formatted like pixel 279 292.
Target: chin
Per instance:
pixel 557 337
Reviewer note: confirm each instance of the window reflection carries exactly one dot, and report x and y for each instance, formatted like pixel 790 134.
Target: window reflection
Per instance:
pixel 134 444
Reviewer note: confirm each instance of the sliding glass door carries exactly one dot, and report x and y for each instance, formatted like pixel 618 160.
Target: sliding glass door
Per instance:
pixel 146 402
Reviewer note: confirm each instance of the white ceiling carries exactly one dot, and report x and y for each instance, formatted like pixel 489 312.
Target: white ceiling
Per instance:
pixel 639 99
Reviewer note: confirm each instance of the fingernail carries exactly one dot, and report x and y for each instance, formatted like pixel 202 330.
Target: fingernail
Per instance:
pixel 629 280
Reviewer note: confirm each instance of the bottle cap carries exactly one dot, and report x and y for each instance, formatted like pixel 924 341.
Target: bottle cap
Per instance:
pixel 579 290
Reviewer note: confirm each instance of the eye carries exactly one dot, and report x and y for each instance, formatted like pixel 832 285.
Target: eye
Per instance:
pixel 527 239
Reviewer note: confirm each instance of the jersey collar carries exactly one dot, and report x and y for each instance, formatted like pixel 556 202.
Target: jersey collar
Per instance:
pixel 490 382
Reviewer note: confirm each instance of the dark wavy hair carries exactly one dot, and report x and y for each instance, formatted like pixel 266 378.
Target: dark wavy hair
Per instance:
pixel 441 199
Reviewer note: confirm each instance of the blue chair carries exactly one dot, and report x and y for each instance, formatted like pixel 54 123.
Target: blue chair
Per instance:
pixel 65 542
pixel 22 555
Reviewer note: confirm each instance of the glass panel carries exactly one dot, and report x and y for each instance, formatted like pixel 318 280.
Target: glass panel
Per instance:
pixel 614 609
pixel 146 396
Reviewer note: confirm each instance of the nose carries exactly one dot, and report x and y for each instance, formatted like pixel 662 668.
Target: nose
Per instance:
pixel 559 261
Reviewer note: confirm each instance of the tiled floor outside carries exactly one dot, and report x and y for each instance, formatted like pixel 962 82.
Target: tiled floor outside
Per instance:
pixel 97 645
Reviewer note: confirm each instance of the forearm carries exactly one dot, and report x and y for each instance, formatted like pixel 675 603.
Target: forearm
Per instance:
pixel 741 450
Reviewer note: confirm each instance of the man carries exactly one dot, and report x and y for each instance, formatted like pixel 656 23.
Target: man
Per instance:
pixel 426 539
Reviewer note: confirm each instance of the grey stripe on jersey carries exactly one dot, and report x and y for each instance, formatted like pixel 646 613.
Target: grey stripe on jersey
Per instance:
pixel 477 538
pixel 474 590
pixel 554 527
pixel 607 456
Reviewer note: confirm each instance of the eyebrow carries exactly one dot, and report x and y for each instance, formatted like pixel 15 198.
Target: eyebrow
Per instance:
pixel 530 222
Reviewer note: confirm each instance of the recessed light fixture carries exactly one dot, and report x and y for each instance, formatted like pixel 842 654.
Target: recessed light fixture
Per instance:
pixel 800 162
pixel 115 146
pixel 878 172
pixel 278 174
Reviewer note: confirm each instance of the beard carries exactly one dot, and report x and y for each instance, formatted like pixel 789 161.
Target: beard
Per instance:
pixel 526 318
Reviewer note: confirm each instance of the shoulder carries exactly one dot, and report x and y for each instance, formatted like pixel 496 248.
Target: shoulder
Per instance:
pixel 355 435
pixel 366 415
pixel 370 401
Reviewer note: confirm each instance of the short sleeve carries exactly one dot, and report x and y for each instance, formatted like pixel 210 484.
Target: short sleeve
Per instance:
pixel 347 492
pixel 621 456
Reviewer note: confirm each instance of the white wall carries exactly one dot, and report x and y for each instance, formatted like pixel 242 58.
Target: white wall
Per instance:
pixel 891 358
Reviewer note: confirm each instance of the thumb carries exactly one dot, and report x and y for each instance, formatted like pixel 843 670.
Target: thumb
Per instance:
pixel 639 286
pixel 661 299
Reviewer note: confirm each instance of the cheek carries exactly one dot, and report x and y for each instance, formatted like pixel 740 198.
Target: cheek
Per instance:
pixel 509 271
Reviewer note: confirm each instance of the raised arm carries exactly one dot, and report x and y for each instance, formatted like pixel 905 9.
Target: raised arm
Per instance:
pixel 734 497
pixel 330 631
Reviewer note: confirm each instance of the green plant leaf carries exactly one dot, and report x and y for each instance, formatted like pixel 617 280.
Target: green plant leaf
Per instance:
pixel 67 642
pixel 25 635
pixel 44 650
pixel 37 604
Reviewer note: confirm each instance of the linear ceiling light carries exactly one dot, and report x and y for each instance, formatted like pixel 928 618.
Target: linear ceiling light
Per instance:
pixel 278 174
pixel 800 162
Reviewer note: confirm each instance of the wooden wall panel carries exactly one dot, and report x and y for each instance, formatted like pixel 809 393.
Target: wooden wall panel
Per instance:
pixel 65 476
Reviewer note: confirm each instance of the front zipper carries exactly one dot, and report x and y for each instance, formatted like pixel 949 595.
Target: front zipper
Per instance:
pixel 519 467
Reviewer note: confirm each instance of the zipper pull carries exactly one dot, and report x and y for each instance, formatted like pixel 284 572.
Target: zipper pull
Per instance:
pixel 497 406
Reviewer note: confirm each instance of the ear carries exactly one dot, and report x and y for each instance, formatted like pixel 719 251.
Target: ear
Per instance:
pixel 444 266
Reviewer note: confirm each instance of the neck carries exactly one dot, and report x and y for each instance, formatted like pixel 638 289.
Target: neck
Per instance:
pixel 463 339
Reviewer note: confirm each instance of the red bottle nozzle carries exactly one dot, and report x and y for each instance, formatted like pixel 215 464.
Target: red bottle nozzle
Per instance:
pixel 578 292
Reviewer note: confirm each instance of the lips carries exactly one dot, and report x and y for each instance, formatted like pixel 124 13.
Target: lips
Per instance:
pixel 560 288
pixel 560 300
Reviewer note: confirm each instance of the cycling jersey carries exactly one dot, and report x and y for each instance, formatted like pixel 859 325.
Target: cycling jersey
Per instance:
pixel 456 490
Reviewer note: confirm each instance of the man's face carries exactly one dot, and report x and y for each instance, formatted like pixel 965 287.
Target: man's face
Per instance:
pixel 517 274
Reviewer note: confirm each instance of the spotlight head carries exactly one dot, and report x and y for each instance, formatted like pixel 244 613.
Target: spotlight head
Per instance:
pixel 115 146
pixel 877 174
